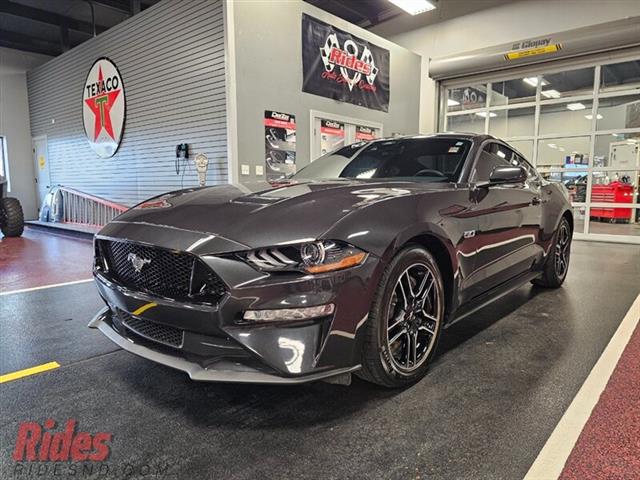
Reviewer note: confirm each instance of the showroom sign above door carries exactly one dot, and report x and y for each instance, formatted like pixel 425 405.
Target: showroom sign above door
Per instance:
pixel 104 107
pixel 344 67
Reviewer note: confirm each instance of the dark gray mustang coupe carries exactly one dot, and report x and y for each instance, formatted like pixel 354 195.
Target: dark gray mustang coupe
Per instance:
pixel 355 264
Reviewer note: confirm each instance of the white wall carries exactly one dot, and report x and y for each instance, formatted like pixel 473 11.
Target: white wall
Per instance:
pixel 494 26
pixel 171 59
pixel 14 124
pixel 268 53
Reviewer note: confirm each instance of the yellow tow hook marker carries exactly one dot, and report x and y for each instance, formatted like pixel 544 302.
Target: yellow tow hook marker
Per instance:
pixel 144 308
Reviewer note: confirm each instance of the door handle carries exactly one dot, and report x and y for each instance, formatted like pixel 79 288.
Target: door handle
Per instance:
pixel 537 201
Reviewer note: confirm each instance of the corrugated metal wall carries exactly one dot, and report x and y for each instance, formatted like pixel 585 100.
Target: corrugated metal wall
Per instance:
pixel 171 58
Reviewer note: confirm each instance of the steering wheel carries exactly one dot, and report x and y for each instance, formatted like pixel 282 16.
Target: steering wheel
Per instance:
pixel 427 172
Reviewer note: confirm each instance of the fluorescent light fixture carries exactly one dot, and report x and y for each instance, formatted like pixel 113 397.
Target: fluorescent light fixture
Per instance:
pixel 501 154
pixel 576 106
pixel 552 145
pixel 533 81
pixel 484 114
pixel 414 7
pixel 452 103
pixel 551 93
pixel 590 117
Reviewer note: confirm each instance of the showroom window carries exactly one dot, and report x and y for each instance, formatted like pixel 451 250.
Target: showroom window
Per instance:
pixel 578 125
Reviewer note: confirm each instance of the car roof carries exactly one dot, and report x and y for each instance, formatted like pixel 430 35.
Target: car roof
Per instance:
pixel 477 137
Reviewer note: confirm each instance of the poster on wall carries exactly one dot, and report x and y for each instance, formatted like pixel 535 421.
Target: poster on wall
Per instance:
pixel 103 107
pixel 338 65
pixel 280 144
pixel 331 136
pixel 365 133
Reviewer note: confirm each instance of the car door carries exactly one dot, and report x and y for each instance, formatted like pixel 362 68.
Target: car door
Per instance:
pixel 509 218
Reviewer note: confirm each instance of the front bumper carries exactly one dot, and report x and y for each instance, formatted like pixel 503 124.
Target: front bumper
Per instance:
pixel 216 344
pixel 224 370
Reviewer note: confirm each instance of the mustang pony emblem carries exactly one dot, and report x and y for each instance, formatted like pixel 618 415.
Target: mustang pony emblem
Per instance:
pixel 137 262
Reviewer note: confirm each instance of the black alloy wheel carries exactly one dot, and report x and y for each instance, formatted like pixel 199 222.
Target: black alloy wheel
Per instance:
pixel 562 250
pixel 556 266
pixel 405 320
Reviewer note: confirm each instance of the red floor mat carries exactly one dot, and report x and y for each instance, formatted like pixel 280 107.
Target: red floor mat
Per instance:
pixel 609 445
pixel 42 258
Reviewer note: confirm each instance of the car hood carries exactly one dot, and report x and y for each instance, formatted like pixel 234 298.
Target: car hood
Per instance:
pixel 286 214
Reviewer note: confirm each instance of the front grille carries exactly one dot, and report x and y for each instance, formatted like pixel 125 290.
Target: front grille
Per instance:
pixel 161 272
pixel 170 336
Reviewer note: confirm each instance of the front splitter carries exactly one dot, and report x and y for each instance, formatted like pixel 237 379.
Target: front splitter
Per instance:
pixel 225 371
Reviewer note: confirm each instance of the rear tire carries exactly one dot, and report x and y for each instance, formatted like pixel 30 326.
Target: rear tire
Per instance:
pixel 556 265
pixel 13 221
pixel 405 320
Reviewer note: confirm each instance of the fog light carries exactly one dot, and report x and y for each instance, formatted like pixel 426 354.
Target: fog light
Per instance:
pixel 287 314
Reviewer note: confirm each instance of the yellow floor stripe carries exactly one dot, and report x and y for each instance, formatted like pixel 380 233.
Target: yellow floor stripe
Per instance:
pixel 28 371
pixel 144 308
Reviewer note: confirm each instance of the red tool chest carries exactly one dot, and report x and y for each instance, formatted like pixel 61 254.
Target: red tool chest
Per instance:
pixel 615 192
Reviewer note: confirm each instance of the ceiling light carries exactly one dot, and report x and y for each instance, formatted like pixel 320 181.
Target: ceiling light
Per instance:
pixel 414 7
pixel 590 117
pixel 576 106
pixel 551 93
pixel 484 114
pixel 533 81
pixel 552 145
pixel 452 103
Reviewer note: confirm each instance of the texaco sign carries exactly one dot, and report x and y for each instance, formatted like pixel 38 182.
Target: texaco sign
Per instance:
pixel 103 107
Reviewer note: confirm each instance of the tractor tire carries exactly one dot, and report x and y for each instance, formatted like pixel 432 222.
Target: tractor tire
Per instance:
pixel 13 218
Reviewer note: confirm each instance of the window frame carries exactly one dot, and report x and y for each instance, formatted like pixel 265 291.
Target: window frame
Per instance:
pixel 592 130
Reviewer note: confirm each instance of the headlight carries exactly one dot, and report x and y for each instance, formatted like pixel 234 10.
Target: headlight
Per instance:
pixel 311 257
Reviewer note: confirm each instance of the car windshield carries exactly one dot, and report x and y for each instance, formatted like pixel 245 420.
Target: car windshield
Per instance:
pixel 417 159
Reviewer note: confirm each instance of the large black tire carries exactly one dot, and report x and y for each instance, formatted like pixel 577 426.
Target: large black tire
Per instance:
pixel 379 362
pixel 556 265
pixel 12 217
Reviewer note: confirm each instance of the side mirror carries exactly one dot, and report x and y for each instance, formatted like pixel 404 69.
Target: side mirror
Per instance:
pixel 502 175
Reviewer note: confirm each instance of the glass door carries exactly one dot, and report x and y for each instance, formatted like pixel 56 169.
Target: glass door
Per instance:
pixel 330 133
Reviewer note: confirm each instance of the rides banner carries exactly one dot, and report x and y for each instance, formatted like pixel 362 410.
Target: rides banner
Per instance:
pixel 338 65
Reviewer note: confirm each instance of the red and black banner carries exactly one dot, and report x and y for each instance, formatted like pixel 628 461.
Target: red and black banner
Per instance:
pixel 338 65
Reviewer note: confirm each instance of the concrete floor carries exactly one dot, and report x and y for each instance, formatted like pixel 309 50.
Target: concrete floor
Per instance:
pixel 500 383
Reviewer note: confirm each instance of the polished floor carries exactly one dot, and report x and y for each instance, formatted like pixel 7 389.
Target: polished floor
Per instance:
pixel 43 257
pixel 498 386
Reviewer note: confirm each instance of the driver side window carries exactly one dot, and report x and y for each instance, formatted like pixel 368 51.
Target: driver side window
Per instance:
pixel 493 155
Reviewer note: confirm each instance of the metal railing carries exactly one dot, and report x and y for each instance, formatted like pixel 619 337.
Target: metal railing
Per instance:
pixel 86 209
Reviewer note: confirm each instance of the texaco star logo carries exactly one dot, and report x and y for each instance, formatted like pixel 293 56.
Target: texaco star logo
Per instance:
pixel 103 107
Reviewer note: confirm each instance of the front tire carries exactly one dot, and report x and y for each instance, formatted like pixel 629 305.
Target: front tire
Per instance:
pixel 13 221
pixel 405 320
pixel 556 265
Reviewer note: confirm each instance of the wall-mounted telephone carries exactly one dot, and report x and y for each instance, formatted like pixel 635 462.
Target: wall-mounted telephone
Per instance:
pixel 182 153
pixel 182 150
